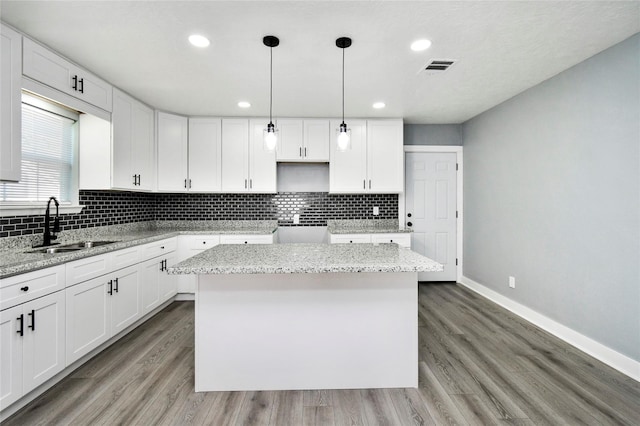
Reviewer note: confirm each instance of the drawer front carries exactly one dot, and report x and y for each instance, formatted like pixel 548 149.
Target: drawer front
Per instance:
pixel 24 287
pixel 158 248
pixel 246 239
pixel 203 243
pixel 403 240
pixel 350 238
pixel 91 267
pixel 126 257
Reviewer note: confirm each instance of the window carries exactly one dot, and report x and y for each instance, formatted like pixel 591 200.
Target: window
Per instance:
pixel 49 135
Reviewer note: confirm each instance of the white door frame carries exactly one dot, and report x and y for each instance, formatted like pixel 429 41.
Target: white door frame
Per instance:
pixel 401 208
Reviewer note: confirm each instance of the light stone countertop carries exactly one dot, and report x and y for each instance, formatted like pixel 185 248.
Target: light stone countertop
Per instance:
pixel 305 258
pixel 15 256
pixel 365 226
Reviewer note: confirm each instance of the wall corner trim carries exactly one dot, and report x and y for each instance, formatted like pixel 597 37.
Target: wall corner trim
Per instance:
pixel 620 362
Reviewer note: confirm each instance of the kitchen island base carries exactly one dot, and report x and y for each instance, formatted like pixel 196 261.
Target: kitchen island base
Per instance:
pixel 306 331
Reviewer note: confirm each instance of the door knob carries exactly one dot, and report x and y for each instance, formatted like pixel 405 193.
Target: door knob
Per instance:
pixel 409 224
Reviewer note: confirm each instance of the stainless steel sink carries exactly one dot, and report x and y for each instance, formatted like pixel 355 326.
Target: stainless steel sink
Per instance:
pixel 66 248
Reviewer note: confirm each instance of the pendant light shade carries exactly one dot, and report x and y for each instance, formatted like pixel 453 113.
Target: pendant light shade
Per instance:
pixel 344 134
pixel 270 133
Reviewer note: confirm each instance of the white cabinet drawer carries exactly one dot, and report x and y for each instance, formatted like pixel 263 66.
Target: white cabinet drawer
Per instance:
pixel 158 248
pixel 24 287
pixel 200 242
pixel 125 257
pixel 350 238
pixel 403 240
pixel 246 239
pixel 90 267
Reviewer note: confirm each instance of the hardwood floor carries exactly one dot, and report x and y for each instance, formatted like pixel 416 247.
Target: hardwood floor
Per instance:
pixel 479 365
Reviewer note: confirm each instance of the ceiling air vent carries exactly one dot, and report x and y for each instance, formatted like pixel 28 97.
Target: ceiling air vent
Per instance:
pixel 438 66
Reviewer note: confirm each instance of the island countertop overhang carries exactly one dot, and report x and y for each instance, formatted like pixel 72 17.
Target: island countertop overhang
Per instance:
pixel 305 258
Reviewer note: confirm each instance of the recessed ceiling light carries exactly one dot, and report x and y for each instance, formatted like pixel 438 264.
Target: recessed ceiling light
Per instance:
pixel 420 45
pixel 198 40
pixel 243 104
pixel 379 105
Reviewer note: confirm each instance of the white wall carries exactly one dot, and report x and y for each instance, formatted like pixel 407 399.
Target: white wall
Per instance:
pixel 552 197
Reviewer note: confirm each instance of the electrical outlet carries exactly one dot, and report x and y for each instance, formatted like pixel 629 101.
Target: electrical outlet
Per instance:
pixel 376 211
pixel 512 282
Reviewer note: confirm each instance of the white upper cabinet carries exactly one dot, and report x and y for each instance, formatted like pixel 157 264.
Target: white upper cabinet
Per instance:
pixel 10 104
pixel 133 143
pixel 189 153
pixel 247 166
pixel 373 163
pixel 172 152
pixel 348 169
pixel 205 154
pixel 303 140
pixel 47 67
pixel 385 157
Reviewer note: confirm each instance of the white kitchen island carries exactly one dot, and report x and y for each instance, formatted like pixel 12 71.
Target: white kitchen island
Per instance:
pixel 306 316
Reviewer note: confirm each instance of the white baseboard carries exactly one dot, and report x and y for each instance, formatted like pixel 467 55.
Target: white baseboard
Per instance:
pixel 181 297
pixel 620 362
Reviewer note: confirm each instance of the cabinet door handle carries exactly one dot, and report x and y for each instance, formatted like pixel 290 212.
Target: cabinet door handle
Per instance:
pixel 81 89
pixel 74 84
pixel 110 291
pixel 300 152
pixel 305 152
pixel 250 183
pixel 115 288
pixel 32 314
pixel 245 184
pixel 21 321
pixel 185 184
pixel 409 224
pixel 364 184
pixel 25 288
pixel 369 183
pixel 135 180
pixel 189 183
pixel 139 179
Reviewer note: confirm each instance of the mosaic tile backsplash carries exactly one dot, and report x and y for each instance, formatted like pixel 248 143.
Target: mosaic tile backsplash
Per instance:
pixel 119 207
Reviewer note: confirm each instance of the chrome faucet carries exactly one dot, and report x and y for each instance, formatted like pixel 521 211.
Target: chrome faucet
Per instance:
pixel 48 234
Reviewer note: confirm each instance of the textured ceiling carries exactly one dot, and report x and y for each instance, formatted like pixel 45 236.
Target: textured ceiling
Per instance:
pixel 502 48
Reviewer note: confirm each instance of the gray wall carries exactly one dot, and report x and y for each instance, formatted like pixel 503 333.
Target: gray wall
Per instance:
pixel 552 197
pixel 433 134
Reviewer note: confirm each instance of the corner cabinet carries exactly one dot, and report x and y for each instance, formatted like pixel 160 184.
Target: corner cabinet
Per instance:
pixel 132 143
pixel 247 166
pixel 374 162
pixel 47 67
pixel 189 153
pixel 10 104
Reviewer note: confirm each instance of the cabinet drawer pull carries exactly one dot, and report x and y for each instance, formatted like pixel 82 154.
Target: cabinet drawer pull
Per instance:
pixel 115 288
pixel 32 314
pixel 25 288
pixel 21 321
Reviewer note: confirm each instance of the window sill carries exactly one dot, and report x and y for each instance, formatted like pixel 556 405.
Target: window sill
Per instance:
pixel 27 210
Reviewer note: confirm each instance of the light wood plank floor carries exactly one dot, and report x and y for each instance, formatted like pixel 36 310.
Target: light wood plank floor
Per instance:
pixel 479 365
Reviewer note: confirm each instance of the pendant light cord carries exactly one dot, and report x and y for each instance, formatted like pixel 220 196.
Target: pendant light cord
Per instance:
pixel 343 86
pixel 271 84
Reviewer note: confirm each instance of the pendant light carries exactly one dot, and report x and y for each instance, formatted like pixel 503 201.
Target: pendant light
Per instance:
pixel 270 133
pixel 344 134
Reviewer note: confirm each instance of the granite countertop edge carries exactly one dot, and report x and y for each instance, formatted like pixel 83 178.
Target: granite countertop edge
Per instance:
pixel 20 261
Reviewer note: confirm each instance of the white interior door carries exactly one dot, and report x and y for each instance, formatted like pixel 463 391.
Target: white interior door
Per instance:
pixel 430 209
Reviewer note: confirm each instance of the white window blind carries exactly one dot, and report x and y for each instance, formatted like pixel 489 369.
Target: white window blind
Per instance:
pixel 47 158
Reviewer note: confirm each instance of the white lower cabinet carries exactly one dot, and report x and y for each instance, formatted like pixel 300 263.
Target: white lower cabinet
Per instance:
pixel 32 344
pixel 100 308
pixel 402 239
pixel 157 285
pixel 246 239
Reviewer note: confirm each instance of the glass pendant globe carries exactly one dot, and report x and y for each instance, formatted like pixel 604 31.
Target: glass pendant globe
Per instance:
pixel 343 140
pixel 270 140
